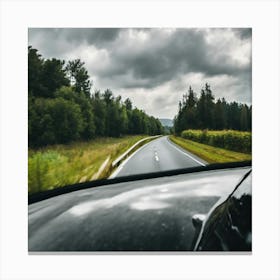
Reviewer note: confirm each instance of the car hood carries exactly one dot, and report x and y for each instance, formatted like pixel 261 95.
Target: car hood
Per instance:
pixel 145 215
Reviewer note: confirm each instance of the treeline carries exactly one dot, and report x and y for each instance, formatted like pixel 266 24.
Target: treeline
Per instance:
pixel 61 107
pixel 206 113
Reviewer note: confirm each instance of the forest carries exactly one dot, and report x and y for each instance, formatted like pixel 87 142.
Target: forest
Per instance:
pixel 206 113
pixel 62 107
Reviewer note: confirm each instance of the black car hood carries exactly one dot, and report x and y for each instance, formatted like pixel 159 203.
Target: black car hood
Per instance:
pixel 146 215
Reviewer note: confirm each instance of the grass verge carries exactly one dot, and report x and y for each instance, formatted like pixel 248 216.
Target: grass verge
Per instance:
pixel 61 165
pixel 209 153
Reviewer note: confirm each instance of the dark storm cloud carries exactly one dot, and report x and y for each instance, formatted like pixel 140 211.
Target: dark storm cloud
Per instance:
pixel 182 52
pixel 156 60
pixel 244 33
pixel 56 41
pixel 161 57
pixel 97 36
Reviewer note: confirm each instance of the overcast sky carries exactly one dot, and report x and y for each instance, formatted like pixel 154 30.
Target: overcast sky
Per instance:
pixel 155 67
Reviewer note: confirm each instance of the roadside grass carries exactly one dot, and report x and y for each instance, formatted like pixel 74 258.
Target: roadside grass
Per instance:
pixel 209 153
pixel 60 165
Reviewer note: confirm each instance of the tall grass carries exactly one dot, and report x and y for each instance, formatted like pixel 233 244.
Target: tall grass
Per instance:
pixel 61 165
pixel 238 141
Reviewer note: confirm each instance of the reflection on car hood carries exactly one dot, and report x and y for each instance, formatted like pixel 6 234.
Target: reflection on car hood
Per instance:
pixel 147 215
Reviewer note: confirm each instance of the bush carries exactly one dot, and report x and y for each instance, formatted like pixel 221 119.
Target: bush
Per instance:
pixel 228 139
pixel 54 121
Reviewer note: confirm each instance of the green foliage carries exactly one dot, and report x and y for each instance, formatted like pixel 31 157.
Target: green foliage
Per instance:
pixel 44 76
pixel 99 111
pixel 239 141
pixel 205 113
pixel 78 76
pixel 53 76
pixel 34 71
pixel 61 108
pixel 54 121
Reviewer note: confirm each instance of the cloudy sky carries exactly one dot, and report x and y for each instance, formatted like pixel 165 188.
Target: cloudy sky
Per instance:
pixel 155 67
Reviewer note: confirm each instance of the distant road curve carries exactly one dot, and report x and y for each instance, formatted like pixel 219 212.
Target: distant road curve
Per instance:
pixel 158 155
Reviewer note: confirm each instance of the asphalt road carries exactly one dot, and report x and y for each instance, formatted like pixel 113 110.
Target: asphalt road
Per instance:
pixel 158 155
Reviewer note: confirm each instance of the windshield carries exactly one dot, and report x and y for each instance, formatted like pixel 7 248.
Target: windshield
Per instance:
pixel 105 103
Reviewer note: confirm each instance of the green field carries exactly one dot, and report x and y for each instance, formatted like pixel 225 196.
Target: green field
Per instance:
pixel 209 153
pixel 61 165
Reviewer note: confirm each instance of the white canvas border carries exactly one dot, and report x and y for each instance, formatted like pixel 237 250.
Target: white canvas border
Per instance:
pixel 17 16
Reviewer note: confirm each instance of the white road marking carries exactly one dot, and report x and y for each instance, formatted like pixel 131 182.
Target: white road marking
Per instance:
pixel 156 156
pixel 171 144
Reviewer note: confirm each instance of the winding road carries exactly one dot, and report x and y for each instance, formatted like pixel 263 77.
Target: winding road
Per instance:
pixel 158 155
